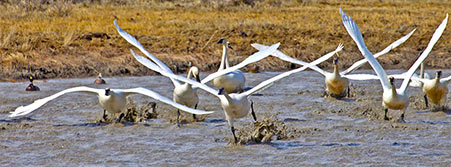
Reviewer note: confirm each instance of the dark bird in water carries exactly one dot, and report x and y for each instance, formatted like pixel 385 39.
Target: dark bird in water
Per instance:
pixel 99 79
pixel 31 87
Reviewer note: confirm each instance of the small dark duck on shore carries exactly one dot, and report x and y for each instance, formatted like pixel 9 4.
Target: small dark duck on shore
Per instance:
pixel 31 87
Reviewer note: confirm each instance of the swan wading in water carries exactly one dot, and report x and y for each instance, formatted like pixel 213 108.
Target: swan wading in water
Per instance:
pixel 392 98
pixel 99 80
pixel 31 86
pixel 233 81
pixel 186 93
pixel 235 105
pixel 337 83
pixel 112 100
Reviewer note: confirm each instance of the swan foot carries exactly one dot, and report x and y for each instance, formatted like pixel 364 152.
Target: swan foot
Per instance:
pixel 234 136
pixel 194 115
pixel 252 111
pixel 385 115
pixel 426 100
pixel 349 92
pixel 401 119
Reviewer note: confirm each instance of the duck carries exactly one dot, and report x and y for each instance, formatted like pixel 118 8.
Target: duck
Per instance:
pixel 99 80
pixel 31 86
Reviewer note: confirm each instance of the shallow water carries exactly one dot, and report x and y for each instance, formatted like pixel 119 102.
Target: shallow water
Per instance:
pixel 330 131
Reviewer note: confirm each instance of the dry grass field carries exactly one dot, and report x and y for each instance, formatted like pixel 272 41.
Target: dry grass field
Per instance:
pixel 77 38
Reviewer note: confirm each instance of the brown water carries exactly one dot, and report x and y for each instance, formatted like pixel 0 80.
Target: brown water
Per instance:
pixel 324 131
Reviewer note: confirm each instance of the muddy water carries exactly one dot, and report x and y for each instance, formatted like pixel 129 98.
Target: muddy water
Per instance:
pixel 324 131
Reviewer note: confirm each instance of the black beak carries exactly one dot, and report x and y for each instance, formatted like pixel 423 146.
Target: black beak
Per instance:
pixel 221 91
pixel 107 91
pixel 439 74
pixel 392 80
pixel 335 61
pixel 220 41
pixel 230 46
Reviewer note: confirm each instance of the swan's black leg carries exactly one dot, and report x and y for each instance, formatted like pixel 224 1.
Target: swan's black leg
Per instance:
pixel 402 116
pixel 194 115
pixel 233 132
pixel 349 92
pixel 426 100
pixel 385 114
pixel 120 117
pixel 252 111
pixel 104 115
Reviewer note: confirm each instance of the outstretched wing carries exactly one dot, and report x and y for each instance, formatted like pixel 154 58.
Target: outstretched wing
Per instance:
pixel 437 34
pixel 24 110
pixel 395 44
pixel 283 56
pixel 267 83
pixel 132 40
pixel 253 58
pixel 149 64
pixel 163 99
pixel 356 35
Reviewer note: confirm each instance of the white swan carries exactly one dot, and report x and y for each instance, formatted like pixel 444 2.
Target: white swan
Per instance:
pixel 185 93
pixel 235 105
pixel 337 83
pixel 435 89
pixel 392 98
pixel 233 81
pixel 112 100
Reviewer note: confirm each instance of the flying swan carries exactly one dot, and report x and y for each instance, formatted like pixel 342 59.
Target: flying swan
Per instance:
pixel 395 99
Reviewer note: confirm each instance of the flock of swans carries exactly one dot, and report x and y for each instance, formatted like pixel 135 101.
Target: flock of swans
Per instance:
pixel 230 81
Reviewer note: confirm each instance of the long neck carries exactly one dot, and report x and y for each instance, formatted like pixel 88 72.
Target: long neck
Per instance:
pixel 225 58
pixel 393 90
pixel 226 95
pixel 437 80
pixel 336 73
pixel 189 76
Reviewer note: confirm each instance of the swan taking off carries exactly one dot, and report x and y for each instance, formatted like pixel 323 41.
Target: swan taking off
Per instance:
pixel 185 93
pixel 182 93
pixel 31 86
pixel 395 99
pixel 112 100
pixel 235 105
pixel 435 90
pixel 337 82
pixel 233 81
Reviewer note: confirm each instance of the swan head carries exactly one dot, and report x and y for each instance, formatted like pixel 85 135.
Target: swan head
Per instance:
pixel 107 91
pixel 392 80
pixel 438 74
pixel 225 43
pixel 195 72
pixel 336 61
pixel 221 91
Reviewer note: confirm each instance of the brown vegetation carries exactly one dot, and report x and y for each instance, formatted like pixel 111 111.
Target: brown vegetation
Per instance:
pixel 77 38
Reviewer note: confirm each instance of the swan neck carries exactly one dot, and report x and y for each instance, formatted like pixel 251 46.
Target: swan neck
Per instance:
pixel 225 57
pixel 336 70
pixel 227 96
pixel 393 90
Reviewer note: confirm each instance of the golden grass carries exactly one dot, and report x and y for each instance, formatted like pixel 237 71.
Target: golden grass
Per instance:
pixel 64 39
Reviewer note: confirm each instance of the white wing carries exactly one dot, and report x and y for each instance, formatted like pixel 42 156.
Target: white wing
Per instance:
pixel 163 99
pixel 438 32
pixel 267 83
pixel 361 77
pixel 23 110
pixel 132 40
pixel 283 56
pixel 149 64
pixel 253 58
pixel 447 79
pixel 395 44
pixel 356 35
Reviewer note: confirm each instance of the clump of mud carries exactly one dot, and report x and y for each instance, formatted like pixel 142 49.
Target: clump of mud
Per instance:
pixel 134 113
pixel 265 131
